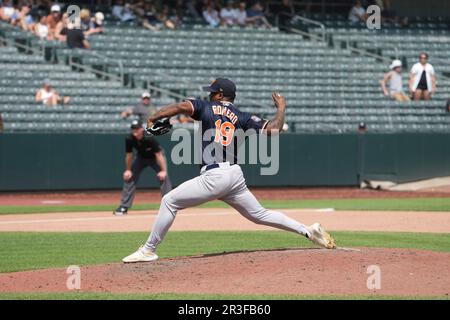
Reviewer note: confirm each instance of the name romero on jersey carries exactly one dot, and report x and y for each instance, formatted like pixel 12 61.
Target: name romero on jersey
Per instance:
pixel 224 111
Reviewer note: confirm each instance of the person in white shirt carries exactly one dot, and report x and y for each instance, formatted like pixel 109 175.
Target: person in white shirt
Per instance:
pixel 41 28
pixel 422 79
pixel 48 96
pixel 357 13
pixel 8 13
pixel 394 80
pixel 228 14
pixel 240 14
pixel 211 16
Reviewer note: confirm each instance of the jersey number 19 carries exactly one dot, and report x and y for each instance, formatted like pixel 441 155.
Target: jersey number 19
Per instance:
pixel 224 132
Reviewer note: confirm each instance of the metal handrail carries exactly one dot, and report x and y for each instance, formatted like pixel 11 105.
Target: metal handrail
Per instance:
pixel 120 77
pixel 11 43
pixel 182 97
pixel 104 57
pixel 365 52
pixel 376 43
pixel 164 91
pixel 171 77
pixel 323 38
pixel 40 50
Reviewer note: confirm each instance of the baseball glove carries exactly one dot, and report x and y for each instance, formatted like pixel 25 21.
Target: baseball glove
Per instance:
pixel 159 127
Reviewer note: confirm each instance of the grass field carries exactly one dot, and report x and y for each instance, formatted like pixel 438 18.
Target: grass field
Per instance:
pixel 401 204
pixel 25 251
pixel 31 250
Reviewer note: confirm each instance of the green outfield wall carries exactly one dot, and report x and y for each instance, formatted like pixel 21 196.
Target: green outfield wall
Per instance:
pixel 96 161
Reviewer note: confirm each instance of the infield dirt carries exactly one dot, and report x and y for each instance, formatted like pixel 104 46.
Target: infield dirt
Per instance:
pixel 294 272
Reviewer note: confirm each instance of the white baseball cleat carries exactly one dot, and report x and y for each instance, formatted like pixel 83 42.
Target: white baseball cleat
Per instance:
pixel 140 256
pixel 320 237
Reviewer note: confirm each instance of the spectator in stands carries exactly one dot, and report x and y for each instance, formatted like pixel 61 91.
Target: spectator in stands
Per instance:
pixel 27 22
pixel 180 10
pixel 170 22
pixel 362 127
pixel 187 7
pixel 85 20
pixel 61 28
pixel 89 25
pixel 97 23
pixel 52 20
pixel 357 13
pixel 241 14
pixel 228 14
pixel 284 13
pixel 1 123
pixel 422 79
pixel 211 15
pixel 9 13
pixel 123 11
pixel 394 79
pixel 142 110
pixel 48 96
pixel 256 16
pixel 386 14
pixel 147 15
pixel 75 36
pixel 41 28
pixel 448 105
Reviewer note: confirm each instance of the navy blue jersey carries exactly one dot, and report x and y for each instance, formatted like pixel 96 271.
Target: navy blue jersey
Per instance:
pixel 222 126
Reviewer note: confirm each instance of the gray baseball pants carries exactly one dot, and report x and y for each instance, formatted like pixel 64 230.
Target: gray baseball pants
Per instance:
pixel 226 183
pixel 129 187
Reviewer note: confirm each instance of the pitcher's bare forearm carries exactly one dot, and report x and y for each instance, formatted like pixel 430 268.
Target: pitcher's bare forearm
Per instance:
pixel 277 122
pixel 170 111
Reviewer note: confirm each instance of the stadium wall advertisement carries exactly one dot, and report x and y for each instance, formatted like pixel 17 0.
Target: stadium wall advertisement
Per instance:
pixel 96 161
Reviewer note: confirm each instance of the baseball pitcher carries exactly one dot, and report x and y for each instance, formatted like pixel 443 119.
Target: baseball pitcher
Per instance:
pixel 221 179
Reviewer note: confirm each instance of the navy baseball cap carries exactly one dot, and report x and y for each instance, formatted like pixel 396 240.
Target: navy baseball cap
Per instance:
pixel 226 86
pixel 136 124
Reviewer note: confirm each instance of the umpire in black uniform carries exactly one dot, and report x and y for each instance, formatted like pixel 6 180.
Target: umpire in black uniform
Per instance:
pixel 149 154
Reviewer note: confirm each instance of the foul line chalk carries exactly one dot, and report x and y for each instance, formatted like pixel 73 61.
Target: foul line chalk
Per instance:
pixel 325 210
pixel 348 249
pixel 52 202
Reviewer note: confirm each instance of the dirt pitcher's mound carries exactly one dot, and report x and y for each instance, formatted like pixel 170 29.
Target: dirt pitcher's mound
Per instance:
pixel 299 271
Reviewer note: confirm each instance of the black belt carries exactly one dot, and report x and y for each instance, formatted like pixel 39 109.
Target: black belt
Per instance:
pixel 211 166
pixel 215 165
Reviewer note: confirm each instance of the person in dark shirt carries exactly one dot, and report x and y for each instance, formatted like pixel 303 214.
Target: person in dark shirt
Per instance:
pixel 285 12
pixel 149 154
pixel 75 37
pixel 256 16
